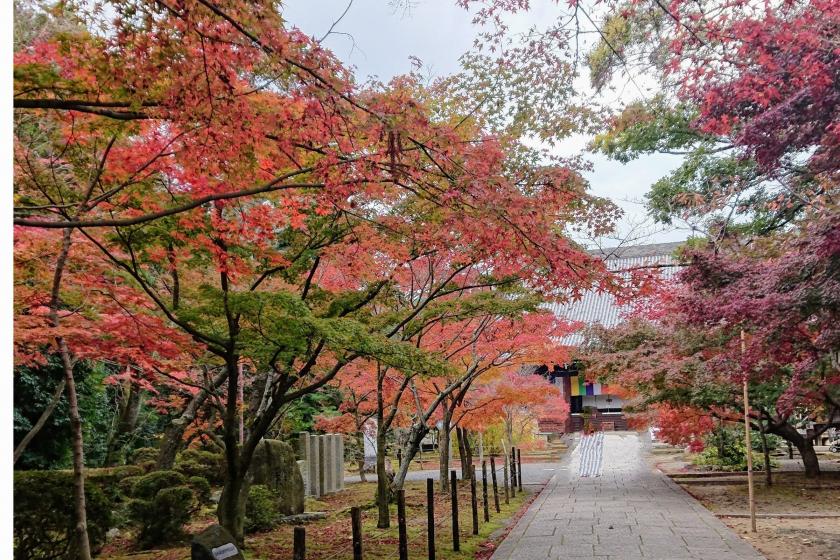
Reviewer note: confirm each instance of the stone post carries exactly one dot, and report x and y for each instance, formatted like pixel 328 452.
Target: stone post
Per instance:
pixel 315 466
pixel 305 456
pixel 340 471
pixel 329 464
pixel 322 463
pixel 318 475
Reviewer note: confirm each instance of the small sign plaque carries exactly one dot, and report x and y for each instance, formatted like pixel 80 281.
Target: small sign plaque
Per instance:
pixel 224 551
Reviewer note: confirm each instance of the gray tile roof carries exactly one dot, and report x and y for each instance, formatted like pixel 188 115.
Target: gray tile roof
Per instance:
pixel 599 308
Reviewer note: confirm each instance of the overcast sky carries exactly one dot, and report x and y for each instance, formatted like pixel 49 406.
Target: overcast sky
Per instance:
pixel 377 39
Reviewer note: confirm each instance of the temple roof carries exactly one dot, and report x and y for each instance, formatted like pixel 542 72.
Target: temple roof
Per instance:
pixel 600 308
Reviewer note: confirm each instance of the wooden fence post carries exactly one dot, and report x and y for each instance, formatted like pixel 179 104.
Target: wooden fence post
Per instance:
pixel 519 467
pixel 512 472
pixel 299 544
pixel 401 524
pixel 505 479
pixel 430 515
pixel 495 486
pixel 356 524
pixel 456 532
pixel 474 501
pixel 484 491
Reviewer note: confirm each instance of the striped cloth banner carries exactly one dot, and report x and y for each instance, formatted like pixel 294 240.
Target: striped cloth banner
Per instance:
pixel 591 454
pixel 581 388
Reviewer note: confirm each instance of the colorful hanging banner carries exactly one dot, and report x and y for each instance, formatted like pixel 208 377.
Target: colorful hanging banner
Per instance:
pixel 581 388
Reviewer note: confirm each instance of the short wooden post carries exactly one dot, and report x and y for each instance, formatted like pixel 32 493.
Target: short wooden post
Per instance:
pixel 505 479
pixel 299 544
pixel 456 532
pixel 399 458
pixel 430 515
pixel 473 501
pixel 401 524
pixel 356 523
pixel 484 491
pixel 495 486
pixel 512 472
pixel 519 467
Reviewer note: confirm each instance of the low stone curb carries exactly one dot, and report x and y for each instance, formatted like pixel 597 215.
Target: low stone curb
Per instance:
pixel 781 515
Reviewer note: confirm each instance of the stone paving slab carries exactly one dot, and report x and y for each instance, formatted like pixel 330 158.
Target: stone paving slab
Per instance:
pixel 629 512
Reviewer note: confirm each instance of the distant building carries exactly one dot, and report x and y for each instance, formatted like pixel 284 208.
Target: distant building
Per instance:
pixel 593 403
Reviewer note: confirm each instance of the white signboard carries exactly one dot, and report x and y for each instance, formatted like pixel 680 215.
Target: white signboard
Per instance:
pixel 224 551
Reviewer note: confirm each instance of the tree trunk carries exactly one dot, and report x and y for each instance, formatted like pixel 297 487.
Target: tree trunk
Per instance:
pixel 443 447
pixel 173 437
pixel 42 420
pixel 468 453
pixel 78 454
pixel 410 449
pixel 809 458
pixel 383 494
pixel 768 474
pixel 462 453
pixel 509 429
pixel 231 509
pixel 804 445
pixel 83 542
pixel 126 423
pixel 360 457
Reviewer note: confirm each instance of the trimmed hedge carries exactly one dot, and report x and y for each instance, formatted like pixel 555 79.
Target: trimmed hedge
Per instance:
pixel 261 509
pixel 206 464
pixel 44 515
pixel 110 480
pixel 162 502
pixel 145 457
pixel 201 488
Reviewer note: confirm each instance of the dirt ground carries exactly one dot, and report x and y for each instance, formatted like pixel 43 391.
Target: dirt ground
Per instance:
pixel 792 539
pixel 815 538
pixel 329 538
pixel 782 539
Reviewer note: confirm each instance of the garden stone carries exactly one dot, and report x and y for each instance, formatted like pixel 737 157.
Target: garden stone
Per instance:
pixel 274 465
pixel 215 543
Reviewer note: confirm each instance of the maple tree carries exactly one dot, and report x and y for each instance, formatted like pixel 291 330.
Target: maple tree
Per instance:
pixel 749 96
pixel 67 304
pixel 781 292
pixel 267 208
pixel 512 398
pixel 682 425
pixel 479 328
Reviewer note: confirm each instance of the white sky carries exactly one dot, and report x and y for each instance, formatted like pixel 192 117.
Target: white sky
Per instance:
pixel 438 32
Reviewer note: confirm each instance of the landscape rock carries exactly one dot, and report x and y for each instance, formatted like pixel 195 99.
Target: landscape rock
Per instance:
pixel 215 543
pixel 274 465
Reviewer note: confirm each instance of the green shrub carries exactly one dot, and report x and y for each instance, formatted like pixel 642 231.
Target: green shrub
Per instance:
pixel 261 510
pixel 147 486
pixel 126 485
pixel 110 480
pixel 726 451
pixel 206 464
pixel 162 502
pixel 44 516
pixel 145 457
pixel 201 488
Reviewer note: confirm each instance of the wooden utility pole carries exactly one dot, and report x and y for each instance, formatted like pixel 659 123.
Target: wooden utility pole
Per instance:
pixel 747 436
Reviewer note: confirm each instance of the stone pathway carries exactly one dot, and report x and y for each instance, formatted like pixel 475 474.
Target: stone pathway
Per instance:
pixel 628 512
